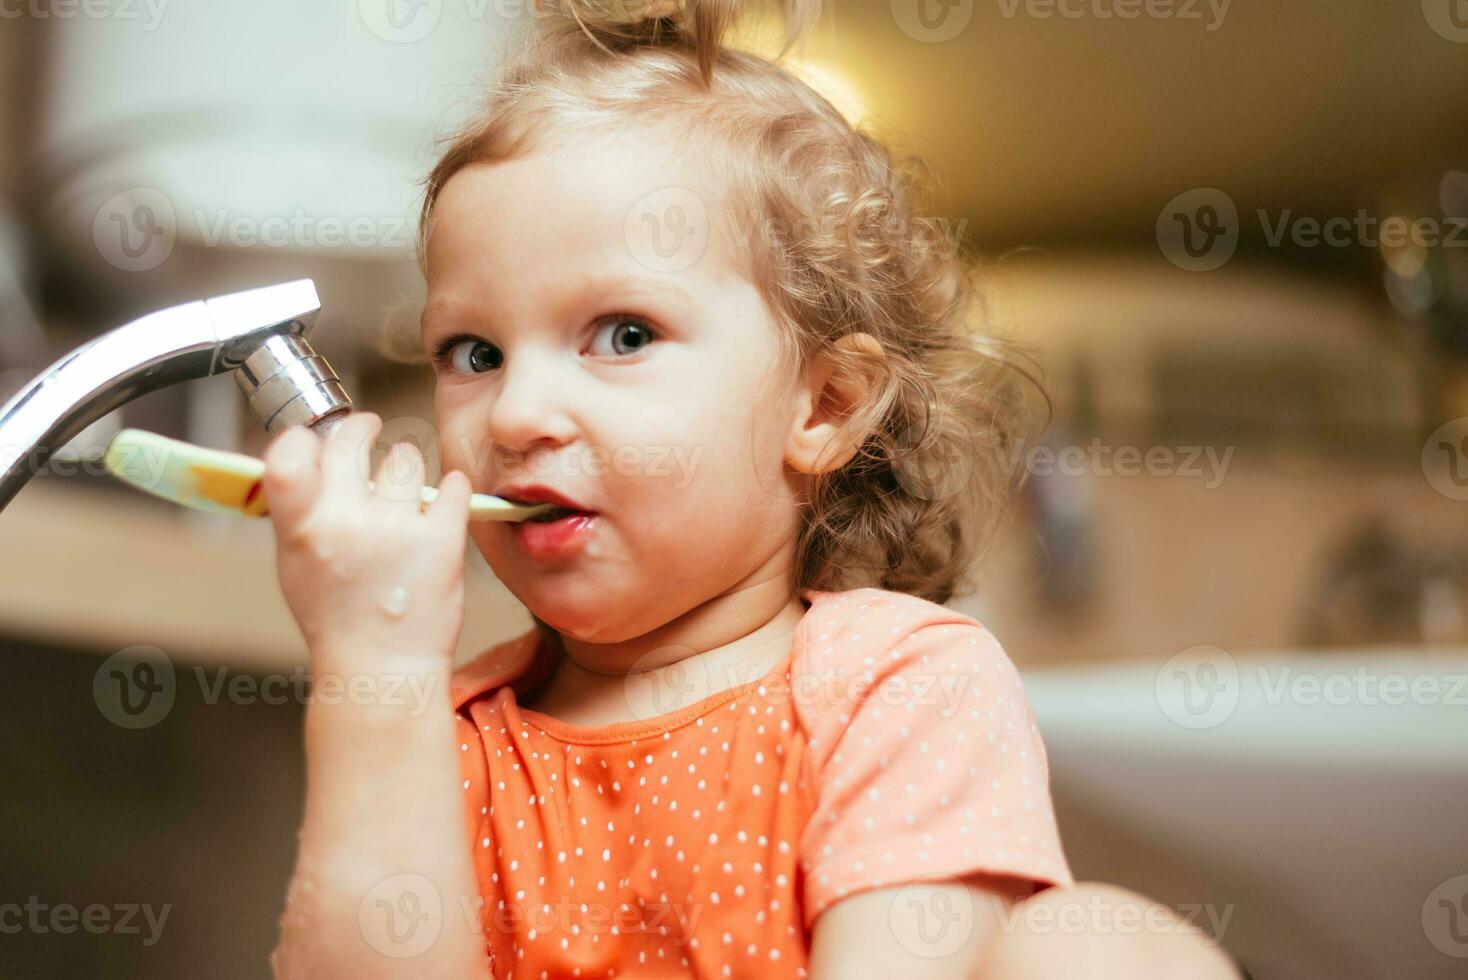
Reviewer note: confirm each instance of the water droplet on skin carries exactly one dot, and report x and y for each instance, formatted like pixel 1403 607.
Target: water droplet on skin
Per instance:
pixel 397 603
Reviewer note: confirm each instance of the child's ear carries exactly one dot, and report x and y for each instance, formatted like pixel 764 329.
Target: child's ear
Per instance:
pixel 831 420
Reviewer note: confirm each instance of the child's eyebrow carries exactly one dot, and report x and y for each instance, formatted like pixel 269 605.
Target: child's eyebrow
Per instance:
pixel 440 316
pixel 593 287
pixel 585 291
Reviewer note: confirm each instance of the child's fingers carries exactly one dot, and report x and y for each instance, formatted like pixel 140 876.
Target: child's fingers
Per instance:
pixel 346 458
pixel 400 474
pixel 450 510
pixel 292 477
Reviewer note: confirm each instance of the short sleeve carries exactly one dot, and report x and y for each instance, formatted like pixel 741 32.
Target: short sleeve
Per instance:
pixel 928 762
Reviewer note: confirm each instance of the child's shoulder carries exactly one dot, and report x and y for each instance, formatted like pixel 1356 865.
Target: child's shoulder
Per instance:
pixel 845 628
pixel 897 659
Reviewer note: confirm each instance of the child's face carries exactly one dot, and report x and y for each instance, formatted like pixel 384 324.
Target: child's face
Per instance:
pixel 669 421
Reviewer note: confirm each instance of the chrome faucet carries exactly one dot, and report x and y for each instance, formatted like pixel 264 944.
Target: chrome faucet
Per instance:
pixel 259 334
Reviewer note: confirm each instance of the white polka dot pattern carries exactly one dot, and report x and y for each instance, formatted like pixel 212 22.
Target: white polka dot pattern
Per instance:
pixel 894 741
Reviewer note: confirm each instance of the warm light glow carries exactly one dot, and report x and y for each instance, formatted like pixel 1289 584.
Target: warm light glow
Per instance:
pixel 1405 259
pixel 764 36
pixel 834 85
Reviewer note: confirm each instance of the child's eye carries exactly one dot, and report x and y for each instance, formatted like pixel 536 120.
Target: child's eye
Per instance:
pixel 468 355
pixel 628 333
pixel 465 354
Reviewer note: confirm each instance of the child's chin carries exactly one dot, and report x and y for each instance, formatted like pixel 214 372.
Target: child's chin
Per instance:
pixel 553 603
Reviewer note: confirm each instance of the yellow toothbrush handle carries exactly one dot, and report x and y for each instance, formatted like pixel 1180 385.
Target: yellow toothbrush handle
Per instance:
pixel 232 483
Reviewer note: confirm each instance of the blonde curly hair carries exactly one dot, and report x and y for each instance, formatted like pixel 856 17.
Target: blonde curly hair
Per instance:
pixel 843 250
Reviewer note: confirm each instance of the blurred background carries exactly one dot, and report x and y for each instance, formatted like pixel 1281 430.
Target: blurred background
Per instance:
pixel 1237 584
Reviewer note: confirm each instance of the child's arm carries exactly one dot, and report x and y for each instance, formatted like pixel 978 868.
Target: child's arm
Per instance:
pixel 936 928
pixel 970 929
pixel 384 884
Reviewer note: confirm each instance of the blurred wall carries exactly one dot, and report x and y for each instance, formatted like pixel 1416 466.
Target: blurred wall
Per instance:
pixel 17 94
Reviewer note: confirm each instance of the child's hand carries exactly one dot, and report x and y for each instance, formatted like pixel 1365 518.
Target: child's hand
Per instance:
pixel 370 576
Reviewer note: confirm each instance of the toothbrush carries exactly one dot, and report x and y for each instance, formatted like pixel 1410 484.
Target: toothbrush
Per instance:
pixel 232 483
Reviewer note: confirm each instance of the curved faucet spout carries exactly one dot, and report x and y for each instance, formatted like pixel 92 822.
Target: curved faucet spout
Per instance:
pixel 181 343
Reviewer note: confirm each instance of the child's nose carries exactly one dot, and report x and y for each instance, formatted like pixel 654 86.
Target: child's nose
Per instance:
pixel 531 408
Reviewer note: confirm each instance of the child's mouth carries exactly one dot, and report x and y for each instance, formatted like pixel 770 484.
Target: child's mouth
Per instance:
pixel 559 531
pixel 556 534
pixel 554 514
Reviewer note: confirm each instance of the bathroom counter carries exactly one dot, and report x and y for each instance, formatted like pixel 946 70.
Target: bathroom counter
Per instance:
pixel 1315 798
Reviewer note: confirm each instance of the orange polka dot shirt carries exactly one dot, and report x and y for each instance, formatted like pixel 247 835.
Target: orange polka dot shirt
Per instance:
pixel 893 742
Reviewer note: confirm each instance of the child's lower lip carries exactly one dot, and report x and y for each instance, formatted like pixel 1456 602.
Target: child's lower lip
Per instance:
pixel 555 539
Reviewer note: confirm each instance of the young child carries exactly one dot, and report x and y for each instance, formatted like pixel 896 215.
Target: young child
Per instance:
pixel 744 737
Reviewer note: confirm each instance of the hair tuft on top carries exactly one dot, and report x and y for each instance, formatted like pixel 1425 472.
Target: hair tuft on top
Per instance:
pixel 700 26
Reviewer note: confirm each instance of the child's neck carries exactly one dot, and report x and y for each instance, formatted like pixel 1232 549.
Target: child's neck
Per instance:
pixel 730 640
